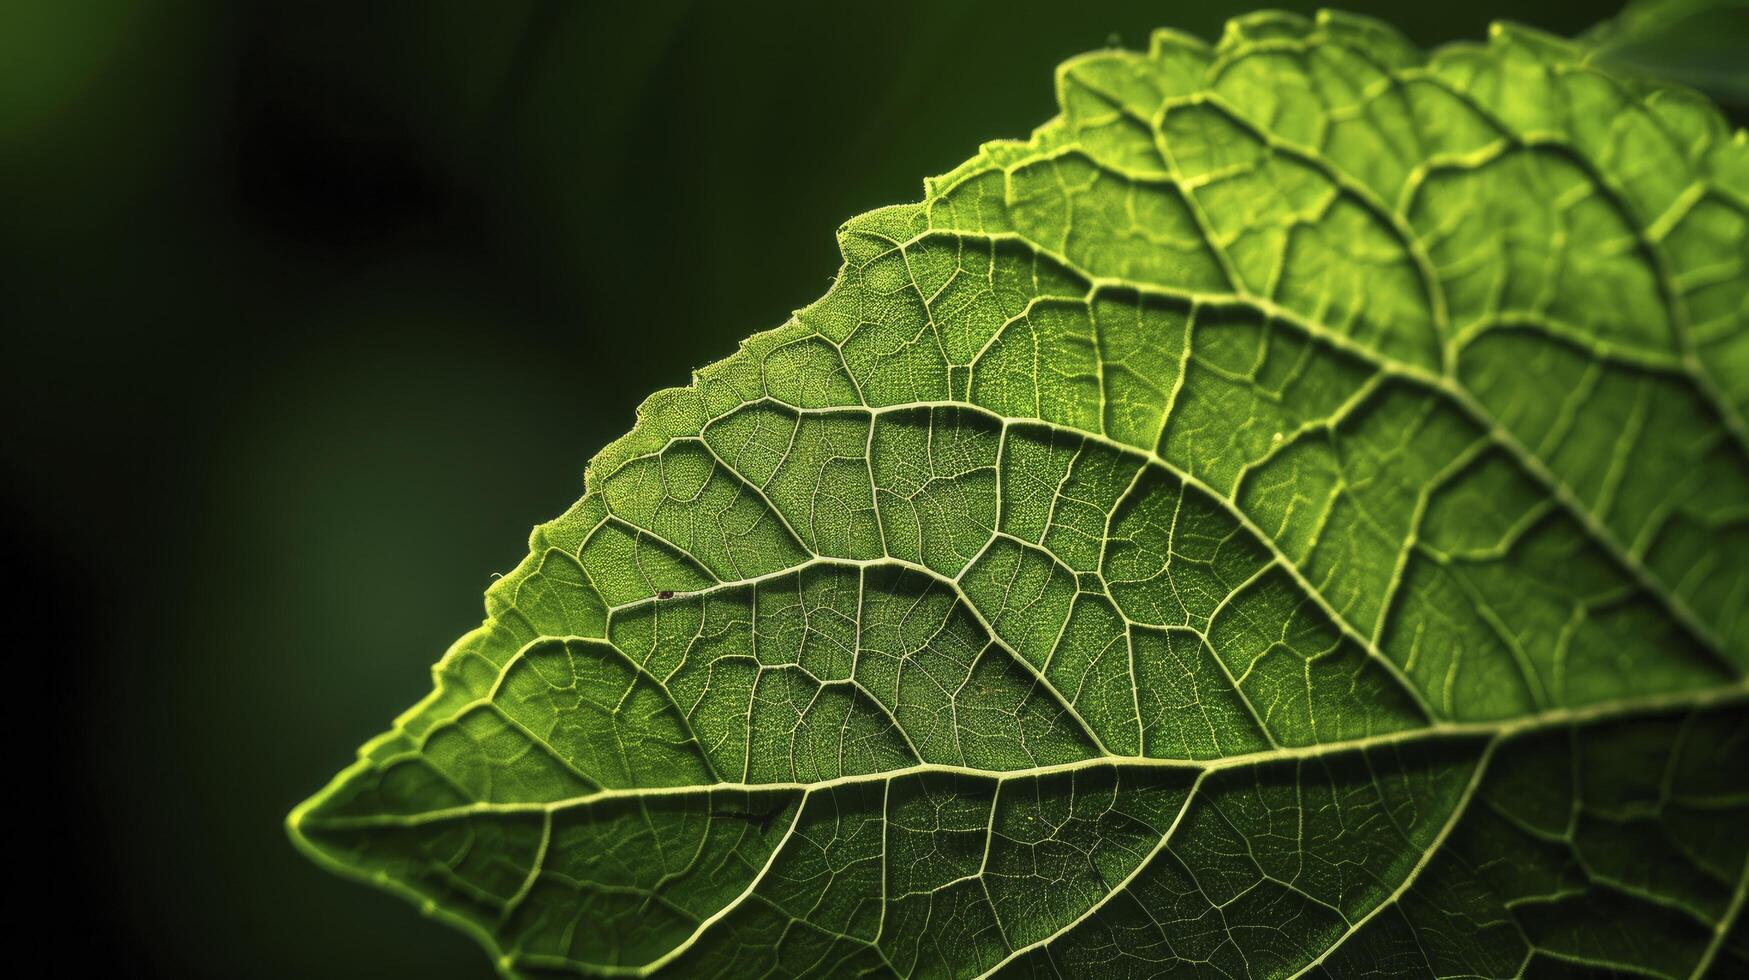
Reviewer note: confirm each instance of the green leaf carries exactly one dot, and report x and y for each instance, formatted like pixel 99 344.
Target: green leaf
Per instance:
pixel 1703 43
pixel 1289 515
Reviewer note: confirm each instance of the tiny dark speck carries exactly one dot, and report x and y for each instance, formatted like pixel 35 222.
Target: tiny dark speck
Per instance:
pixel 665 594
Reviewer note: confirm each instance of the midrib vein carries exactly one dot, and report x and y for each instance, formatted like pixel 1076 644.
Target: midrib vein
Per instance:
pixel 1448 731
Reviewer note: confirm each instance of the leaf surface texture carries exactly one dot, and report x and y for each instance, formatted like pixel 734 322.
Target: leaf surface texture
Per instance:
pixel 1290 516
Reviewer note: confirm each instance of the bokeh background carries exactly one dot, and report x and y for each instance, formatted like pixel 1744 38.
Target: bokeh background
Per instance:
pixel 310 310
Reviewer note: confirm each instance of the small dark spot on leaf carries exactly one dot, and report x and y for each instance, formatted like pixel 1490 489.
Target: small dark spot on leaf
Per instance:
pixel 665 594
pixel 760 820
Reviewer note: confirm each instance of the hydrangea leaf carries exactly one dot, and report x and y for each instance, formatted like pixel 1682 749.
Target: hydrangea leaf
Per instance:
pixel 1289 516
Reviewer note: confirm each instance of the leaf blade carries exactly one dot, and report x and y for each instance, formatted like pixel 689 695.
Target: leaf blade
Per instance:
pixel 1284 432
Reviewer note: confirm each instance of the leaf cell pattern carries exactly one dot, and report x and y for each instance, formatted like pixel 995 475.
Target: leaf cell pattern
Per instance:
pixel 1289 517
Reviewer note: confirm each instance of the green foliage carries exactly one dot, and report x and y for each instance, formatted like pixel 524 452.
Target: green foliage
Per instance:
pixel 1290 515
pixel 1702 43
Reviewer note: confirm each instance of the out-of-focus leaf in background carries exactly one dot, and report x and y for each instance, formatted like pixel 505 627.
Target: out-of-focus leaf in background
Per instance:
pixel 1700 43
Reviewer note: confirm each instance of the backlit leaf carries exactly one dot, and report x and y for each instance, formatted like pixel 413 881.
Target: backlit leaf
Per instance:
pixel 1288 516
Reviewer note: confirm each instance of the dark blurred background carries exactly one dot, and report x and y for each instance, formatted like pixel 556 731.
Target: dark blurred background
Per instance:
pixel 309 312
